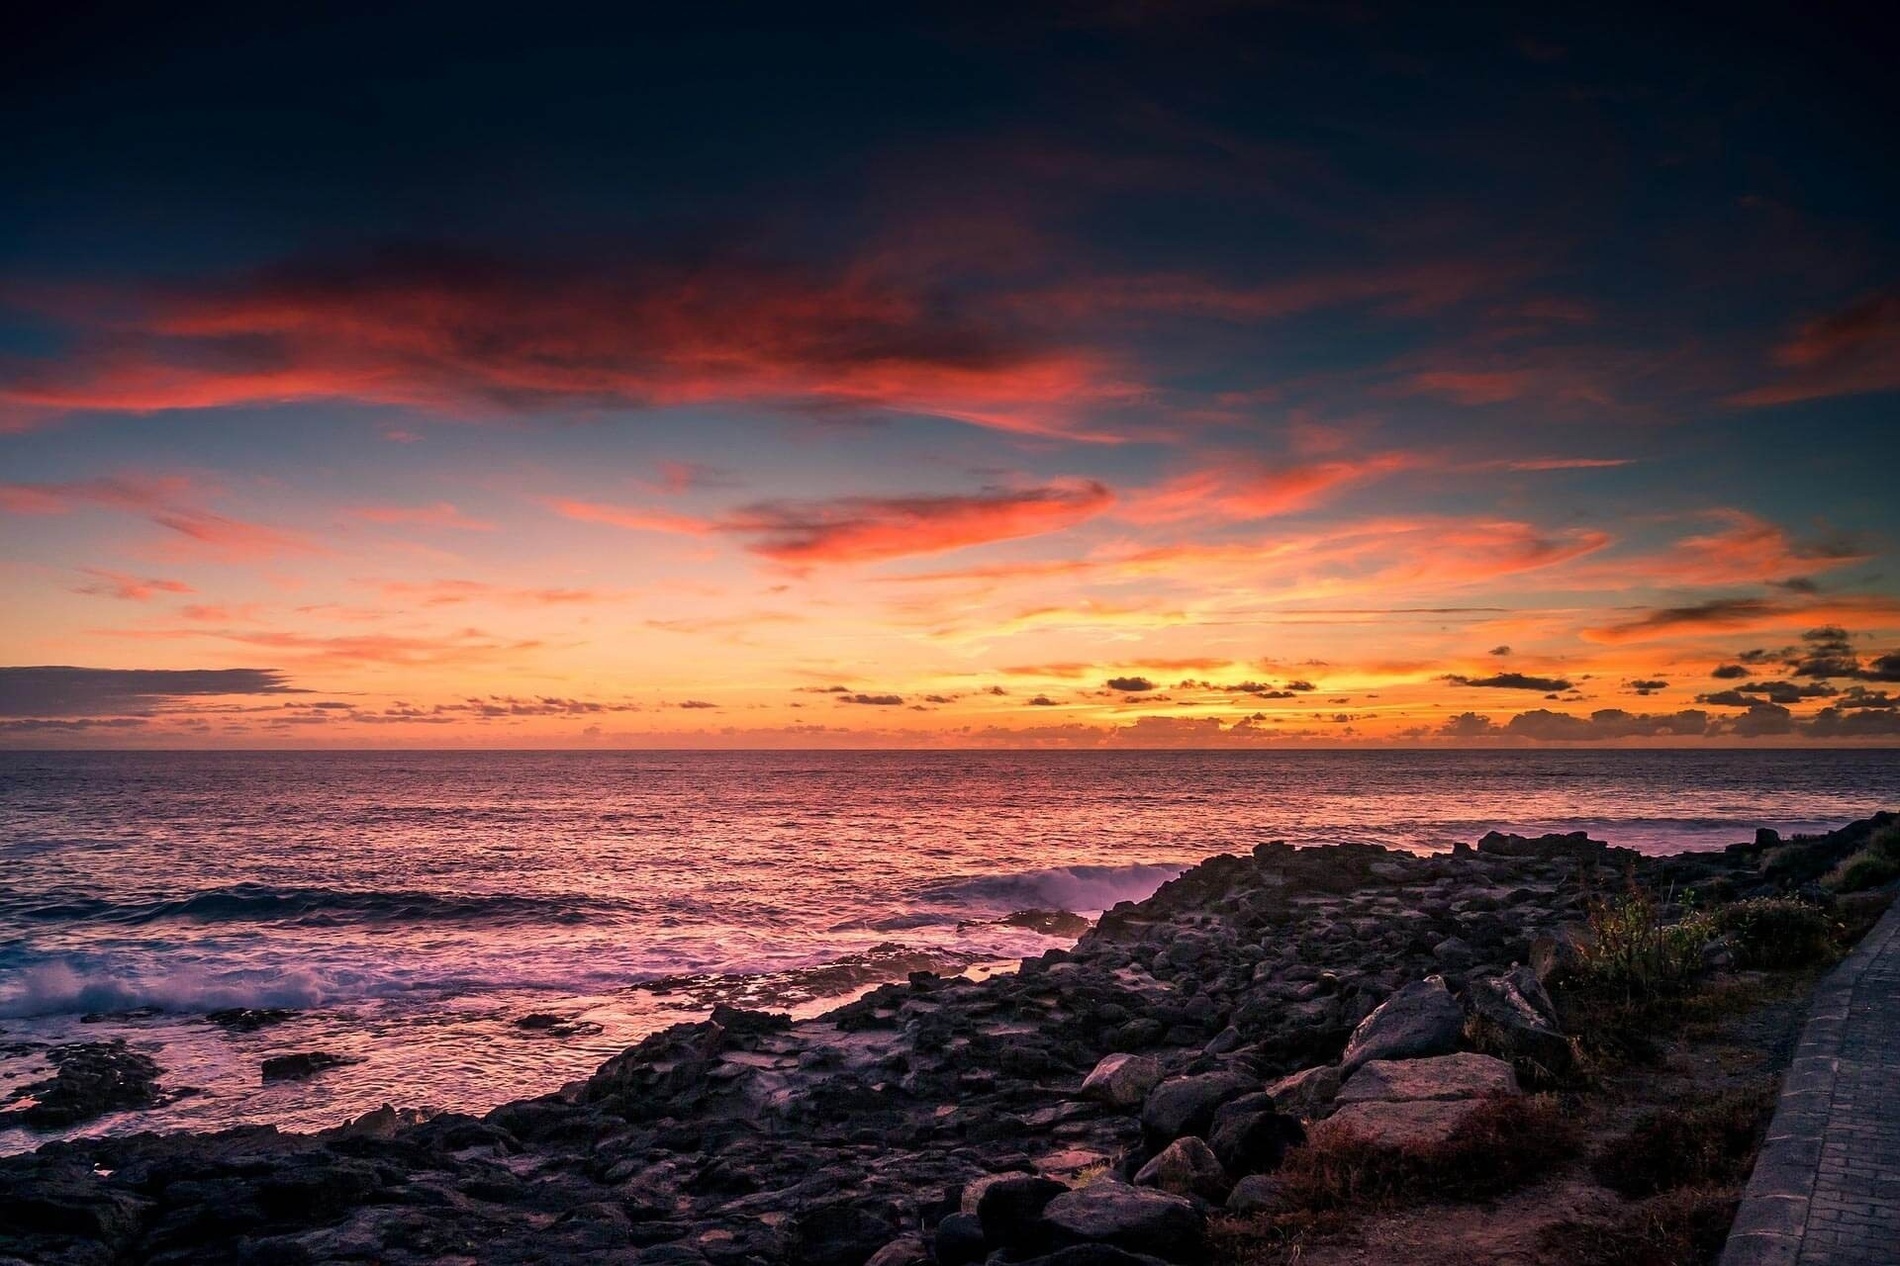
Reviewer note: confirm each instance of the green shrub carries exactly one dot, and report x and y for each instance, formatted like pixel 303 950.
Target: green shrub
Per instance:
pixel 1636 955
pixel 1700 1143
pixel 1776 932
pixel 1865 869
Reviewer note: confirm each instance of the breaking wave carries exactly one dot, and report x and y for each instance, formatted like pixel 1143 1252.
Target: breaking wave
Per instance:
pixel 1084 889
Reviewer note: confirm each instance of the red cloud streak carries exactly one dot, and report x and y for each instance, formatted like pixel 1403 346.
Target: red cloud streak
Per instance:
pixel 866 529
pixel 456 333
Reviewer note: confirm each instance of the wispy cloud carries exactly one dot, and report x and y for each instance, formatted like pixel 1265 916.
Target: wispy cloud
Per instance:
pixel 870 529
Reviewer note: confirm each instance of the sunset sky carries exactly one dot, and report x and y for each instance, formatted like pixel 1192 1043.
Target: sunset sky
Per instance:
pixel 1055 375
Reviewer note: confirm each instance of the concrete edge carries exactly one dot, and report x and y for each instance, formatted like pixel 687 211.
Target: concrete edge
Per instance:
pixel 1773 1217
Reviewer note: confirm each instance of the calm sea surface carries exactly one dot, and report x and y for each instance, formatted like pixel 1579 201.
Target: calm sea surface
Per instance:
pixel 411 908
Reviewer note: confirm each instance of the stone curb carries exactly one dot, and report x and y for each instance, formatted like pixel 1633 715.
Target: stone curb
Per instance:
pixel 1773 1218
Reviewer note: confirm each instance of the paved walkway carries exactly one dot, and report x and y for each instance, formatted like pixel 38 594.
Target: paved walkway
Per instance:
pixel 1826 1187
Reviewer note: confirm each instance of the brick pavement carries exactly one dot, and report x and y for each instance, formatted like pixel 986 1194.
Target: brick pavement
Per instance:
pixel 1826 1187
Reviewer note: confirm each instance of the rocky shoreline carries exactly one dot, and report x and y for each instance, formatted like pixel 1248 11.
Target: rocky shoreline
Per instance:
pixel 1094 1107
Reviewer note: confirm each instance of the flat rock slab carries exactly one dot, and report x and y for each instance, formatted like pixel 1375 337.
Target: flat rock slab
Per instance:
pixel 1404 1123
pixel 1460 1076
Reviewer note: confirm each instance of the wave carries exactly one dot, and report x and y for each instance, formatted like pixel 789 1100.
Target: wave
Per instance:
pixel 316 907
pixel 60 988
pixel 1082 889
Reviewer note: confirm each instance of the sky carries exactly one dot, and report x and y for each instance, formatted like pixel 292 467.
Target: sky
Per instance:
pixel 1051 375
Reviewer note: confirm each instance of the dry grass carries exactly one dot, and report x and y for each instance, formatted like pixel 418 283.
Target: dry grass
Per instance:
pixel 1681 1228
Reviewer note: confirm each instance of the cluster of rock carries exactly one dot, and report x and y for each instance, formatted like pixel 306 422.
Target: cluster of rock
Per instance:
pixel 1093 1108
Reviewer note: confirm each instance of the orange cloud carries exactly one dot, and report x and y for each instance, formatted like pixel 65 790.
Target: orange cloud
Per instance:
pixel 113 584
pixel 1242 489
pixel 1734 615
pixel 443 593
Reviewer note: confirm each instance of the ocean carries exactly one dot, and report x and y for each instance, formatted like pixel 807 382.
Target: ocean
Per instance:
pixel 409 910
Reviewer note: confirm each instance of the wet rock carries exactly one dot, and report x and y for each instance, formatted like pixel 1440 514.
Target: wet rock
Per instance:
pixel 247 1019
pixel 1186 1167
pixel 1122 1080
pixel 1186 1105
pixel 1459 1076
pixel 1420 1019
pixel 89 1080
pixel 302 1065
pixel 1139 1219
pixel 1048 922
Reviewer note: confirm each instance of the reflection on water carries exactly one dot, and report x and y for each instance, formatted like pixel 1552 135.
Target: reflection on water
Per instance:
pixel 411 908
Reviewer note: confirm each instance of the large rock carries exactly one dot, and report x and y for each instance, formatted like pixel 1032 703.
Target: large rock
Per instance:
pixel 1139 1219
pixel 1308 1093
pixel 959 1240
pixel 1558 953
pixel 1186 1105
pixel 1409 1123
pixel 1256 1193
pixel 1460 1076
pixel 1513 1015
pixel 1010 1211
pixel 1122 1080
pixel 1186 1167
pixel 1253 1141
pixel 1420 1019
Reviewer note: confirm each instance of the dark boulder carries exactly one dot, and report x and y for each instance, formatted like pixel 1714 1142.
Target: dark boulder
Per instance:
pixel 1010 1211
pixel 959 1240
pixel 1138 1219
pixel 1254 1142
pixel 1186 1105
